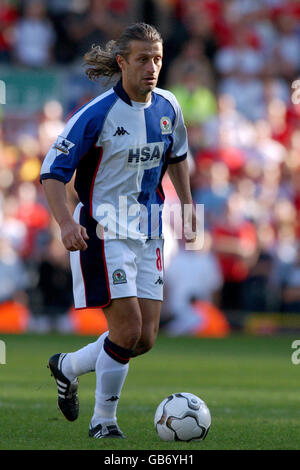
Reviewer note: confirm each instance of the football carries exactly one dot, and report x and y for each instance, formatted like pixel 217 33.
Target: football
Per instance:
pixel 182 417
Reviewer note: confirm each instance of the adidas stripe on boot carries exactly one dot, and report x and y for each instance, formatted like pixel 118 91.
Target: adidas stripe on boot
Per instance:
pixel 67 391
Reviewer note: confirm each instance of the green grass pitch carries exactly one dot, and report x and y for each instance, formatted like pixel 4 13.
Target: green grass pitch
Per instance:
pixel 249 383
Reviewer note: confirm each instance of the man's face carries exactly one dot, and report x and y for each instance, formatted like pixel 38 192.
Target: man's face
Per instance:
pixel 141 69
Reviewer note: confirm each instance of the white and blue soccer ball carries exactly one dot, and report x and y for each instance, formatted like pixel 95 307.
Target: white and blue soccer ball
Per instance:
pixel 182 417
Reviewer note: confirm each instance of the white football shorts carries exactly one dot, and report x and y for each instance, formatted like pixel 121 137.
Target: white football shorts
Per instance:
pixel 115 268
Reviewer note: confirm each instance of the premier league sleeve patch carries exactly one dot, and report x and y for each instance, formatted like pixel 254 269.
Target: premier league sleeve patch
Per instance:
pixel 63 145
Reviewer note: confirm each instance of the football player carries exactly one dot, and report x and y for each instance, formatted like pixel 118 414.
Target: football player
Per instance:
pixel 120 144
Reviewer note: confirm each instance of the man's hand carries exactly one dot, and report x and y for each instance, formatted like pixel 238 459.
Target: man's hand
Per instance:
pixel 179 175
pixel 73 236
pixel 189 223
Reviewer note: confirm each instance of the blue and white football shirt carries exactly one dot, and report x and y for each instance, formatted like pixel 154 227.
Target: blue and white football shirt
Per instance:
pixel 120 151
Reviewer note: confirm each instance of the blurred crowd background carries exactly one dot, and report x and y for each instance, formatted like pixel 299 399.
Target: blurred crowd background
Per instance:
pixel 231 65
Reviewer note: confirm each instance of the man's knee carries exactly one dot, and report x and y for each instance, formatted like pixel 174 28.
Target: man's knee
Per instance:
pixel 130 336
pixel 124 322
pixel 143 345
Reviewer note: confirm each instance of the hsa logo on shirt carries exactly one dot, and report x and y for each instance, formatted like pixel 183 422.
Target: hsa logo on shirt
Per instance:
pixel 146 156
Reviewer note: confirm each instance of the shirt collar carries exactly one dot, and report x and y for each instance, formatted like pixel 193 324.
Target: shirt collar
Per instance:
pixel 118 88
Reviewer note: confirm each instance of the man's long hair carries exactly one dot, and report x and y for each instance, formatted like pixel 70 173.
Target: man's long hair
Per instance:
pixel 102 61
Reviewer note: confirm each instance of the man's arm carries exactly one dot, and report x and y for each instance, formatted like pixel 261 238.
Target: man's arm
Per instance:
pixel 179 175
pixel 73 235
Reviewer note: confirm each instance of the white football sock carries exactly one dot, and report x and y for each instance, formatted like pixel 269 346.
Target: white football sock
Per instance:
pixel 111 375
pixel 84 360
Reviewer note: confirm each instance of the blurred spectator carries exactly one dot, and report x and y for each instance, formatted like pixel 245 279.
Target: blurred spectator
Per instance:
pixel 242 57
pixel 240 66
pixel 35 217
pixel 290 286
pixel 28 166
pixel 228 127
pixel 213 190
pixel 248 94
pixel 8 18
pixel 190 276
pixel 57 7
pixel 280 128
pixel 34 36
pixel 256 289
pixel 192 21
pixel 235 243
pixel 13 275
pixel 197 102
pixel 54 285
pixel 286 45
pixel 94 23
pixel 192 57
pixel 268 149
pixel 13 229
pixel 198 21
pixel 51 125
pixel 276 88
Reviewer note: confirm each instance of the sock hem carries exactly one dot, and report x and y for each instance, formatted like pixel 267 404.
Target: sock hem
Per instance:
pixel 116 352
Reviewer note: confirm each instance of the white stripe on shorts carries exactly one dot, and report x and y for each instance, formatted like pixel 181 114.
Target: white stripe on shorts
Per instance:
pixel 78 280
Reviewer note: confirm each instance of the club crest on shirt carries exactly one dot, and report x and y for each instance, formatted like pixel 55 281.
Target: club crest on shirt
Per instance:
pixel 166 125
pixel 119 276
pixel 63 145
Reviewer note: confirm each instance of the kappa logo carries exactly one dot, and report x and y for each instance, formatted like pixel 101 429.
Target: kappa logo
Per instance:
pixel 121 131
pixel 63 145
pixel 119 276
pixel 146 156
pixel 113 398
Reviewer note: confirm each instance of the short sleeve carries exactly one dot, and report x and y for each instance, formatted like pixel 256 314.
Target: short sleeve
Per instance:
pixel 180 141
pixel 79 135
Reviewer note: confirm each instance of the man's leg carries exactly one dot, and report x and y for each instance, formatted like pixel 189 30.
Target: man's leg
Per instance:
pixel 125 324
pixel 83 360
pixel 150 310
pixel 133 326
